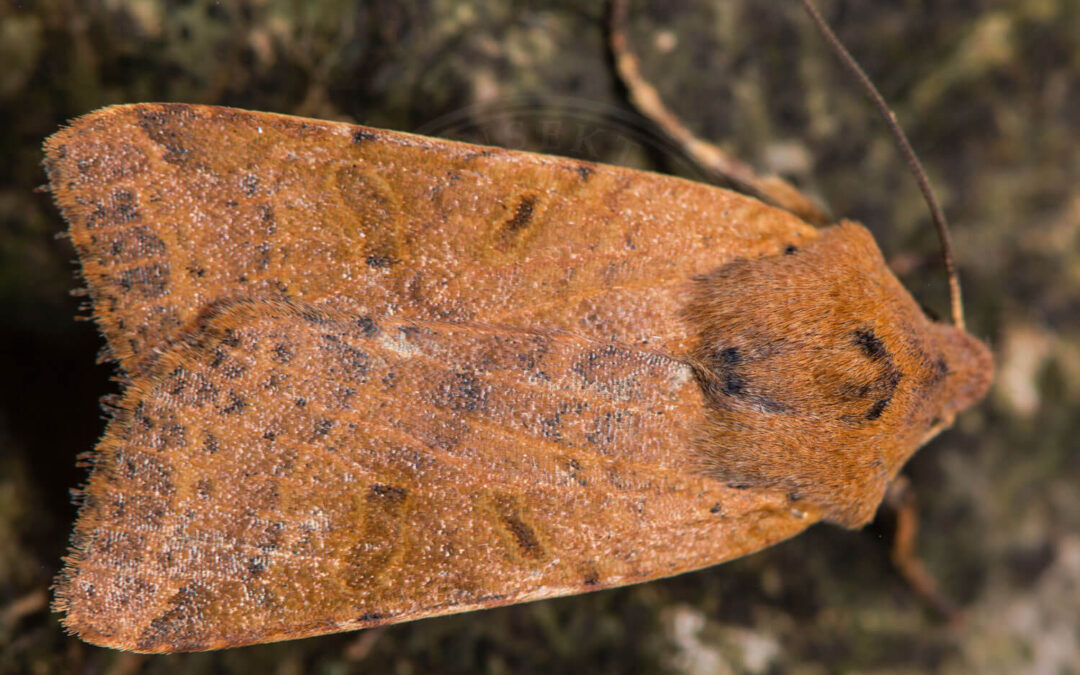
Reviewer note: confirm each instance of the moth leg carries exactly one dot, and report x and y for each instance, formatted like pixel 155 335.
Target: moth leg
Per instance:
pixel 710 157
pixel 905 555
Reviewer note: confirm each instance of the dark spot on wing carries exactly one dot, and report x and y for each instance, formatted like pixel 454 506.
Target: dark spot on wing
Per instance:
pixel 282 353
pixel 152 474
pixel 235 404
pixel 606 428
pixel 314 316
pixel 391 493
pixel 231 338
pixel 268 538
pixel 210 443
pixel 462 392
pixel 590 576
pixel 182 626
pixel 165 125
pixel 381 525
pixel 267 221
pixel 361 135
pixel 170 435
pixel 323 426
pixel 367 326
pixel 149 281
pixel 573 469
pixel 124 206
pixel 98 217
pixel 379 261
pixel 190 388
pixel 257 565
pixel 346 361
pixel 134 243
pixel 522 214
pixel 227 366
pixel 249 185
pixel 511 516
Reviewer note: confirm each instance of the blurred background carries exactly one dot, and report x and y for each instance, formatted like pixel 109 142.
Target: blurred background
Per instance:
pixel 989 91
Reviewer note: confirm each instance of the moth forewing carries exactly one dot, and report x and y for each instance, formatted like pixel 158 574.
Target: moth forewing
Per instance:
pixel 375 377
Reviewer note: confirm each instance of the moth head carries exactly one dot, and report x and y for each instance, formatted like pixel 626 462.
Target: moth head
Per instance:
pixel 821 375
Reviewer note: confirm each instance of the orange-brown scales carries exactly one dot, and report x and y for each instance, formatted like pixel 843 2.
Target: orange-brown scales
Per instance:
pixel 373 377
pixel 822 374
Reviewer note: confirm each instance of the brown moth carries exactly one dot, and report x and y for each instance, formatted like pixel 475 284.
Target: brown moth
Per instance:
pixel 374 377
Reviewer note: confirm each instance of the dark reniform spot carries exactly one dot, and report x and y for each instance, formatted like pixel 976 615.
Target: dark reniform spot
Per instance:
pixel 522 215
pixel 791 249
pixel 379 261
pixel 523 535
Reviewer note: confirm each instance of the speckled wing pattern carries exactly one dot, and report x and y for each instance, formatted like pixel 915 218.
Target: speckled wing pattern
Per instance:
pixel 373 377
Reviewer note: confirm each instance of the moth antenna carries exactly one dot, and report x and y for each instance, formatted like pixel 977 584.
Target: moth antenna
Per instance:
pixel 913 162
pixel 709 156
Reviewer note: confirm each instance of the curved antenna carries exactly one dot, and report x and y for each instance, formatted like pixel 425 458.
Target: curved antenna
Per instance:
pixel 909 154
